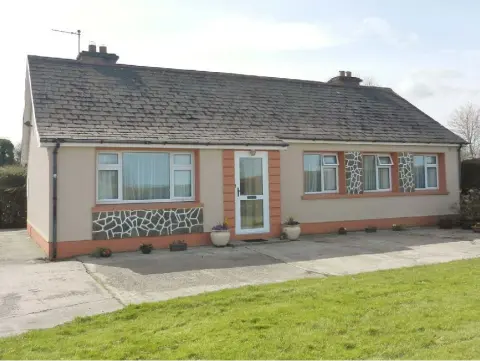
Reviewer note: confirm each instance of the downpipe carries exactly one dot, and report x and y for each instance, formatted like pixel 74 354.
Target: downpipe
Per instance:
pixel 54 201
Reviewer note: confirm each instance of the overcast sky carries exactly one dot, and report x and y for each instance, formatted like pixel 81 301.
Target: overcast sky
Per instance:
pixel 427 51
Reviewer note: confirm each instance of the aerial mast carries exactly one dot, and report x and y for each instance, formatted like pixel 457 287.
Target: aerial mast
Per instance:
pixel 78 33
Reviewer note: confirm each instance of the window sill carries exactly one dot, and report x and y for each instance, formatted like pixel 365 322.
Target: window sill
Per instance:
pixel 144 206
pixel 310 197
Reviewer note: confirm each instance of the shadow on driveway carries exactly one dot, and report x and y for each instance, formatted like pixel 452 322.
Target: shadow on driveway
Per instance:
pixel 309 248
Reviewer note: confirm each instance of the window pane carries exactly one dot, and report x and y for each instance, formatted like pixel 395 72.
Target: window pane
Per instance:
pixel 330 179
pixel 107 158
pixel 432 177
pixel 330 160
pixel 251 213
pixel 107 184
pixel 182 183
pixel 251 176
pixel 370 176
pixel 384 160
pixel 418 161
pixel 431 159
pixel 383 178
pixel 312 173
pixel 182 159
pixel 146 176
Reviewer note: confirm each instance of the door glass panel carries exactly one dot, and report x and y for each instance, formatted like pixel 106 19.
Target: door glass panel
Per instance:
pixel 251 212
pixel 251 176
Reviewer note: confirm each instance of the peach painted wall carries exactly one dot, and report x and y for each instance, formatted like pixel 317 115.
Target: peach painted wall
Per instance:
pixel 77 190
pixel 331 210
pixel 39 186
pixel 274 193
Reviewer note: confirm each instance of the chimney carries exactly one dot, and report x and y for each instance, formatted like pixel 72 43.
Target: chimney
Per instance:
pixel 345 78
pixel 101 57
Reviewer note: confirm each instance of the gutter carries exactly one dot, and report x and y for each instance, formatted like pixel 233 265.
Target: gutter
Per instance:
pixel 459 155
pixel 54 201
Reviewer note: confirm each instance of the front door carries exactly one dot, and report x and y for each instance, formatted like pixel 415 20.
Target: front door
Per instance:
pixel 251 193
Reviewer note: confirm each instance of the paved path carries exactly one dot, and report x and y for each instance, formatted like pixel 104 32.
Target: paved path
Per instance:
pixel 39 294
pixel 34 294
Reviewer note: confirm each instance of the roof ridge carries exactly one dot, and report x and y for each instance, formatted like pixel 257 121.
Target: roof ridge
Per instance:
pixel 240 75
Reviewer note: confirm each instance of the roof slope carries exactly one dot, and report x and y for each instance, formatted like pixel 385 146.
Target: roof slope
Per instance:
pixel 121 103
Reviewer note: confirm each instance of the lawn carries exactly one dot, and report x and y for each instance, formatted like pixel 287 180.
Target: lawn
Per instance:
pixel 429 312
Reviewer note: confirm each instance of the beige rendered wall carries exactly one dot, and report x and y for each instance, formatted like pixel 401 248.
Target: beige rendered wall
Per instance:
pixel 77 187
pixel 211 187
pixel 76 193
pixel 38 186
pixel 310 211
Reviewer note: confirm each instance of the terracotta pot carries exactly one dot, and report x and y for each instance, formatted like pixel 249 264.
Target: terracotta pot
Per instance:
pixel 292 232
pixel 220 238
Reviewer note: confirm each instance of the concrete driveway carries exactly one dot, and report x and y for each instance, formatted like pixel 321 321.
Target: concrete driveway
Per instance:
pixel 37 295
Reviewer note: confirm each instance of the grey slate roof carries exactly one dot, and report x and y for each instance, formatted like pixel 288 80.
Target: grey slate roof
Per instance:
pixel 128 104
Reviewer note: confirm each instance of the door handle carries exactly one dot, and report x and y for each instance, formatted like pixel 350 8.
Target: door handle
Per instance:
pixel 238 191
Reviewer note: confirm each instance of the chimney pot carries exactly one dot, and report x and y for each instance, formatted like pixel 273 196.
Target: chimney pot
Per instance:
pixel 342 73
pixel 102 49
pixel 92 48
pixel 349 74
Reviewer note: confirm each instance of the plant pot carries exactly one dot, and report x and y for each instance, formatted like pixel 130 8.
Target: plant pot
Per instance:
pixel 292 232
pixel 146 250
pixel 176 246
pixel 220 238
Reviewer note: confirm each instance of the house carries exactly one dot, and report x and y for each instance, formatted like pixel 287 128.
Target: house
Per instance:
pixel 119 155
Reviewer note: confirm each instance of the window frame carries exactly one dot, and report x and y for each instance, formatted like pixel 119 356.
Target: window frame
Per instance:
pixel 425 170
pixel 322 166
pixel 377 166
pixel 119 168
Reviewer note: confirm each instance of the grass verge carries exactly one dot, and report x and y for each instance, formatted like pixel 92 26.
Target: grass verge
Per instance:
pixel 428 312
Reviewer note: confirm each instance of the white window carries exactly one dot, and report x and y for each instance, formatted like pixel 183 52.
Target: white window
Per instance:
pixel 320 173
pixel 377 172
pixel 144 177
pixel 426 171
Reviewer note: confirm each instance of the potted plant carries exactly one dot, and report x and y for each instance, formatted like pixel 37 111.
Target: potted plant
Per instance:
pixel 476 227
pixel 445 223
pixel 146 248
pixel 370 229
pixel 220 234
pixel 342 230
pixel 292 229
pixel 102 252
pixel 177 246
pixel 398 227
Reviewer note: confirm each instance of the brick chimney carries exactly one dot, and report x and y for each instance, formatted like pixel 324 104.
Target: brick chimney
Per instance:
pixel 101 57
pixel 345 78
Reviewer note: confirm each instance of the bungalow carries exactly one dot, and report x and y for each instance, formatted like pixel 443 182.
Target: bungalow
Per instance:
pixel 118 155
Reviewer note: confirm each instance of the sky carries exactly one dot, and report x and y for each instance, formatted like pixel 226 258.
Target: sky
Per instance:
pixel 426 51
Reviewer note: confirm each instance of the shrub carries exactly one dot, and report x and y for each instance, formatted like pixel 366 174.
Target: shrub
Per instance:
pixel 468 208
pixel 13 197
pixel 291 222
pixel 370 229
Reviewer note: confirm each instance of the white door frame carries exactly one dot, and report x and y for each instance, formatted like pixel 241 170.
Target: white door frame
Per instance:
pixel 265 197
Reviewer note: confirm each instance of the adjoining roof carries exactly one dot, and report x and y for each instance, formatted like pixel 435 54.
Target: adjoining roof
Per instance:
pixel 119 103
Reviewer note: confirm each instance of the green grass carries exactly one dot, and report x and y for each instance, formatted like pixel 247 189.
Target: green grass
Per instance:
pixel 430 312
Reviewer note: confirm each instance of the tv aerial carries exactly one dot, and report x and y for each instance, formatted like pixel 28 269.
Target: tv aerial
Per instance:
pixel 78 33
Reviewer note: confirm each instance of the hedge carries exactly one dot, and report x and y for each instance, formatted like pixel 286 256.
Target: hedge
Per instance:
pixel 13 197
pixel 470 174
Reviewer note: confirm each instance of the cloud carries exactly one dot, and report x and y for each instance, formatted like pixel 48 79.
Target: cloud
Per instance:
pixel 429 83
pixel 378 28
pixel 239 34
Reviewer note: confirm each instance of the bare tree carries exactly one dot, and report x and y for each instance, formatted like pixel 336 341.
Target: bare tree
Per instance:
pixel 465 122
